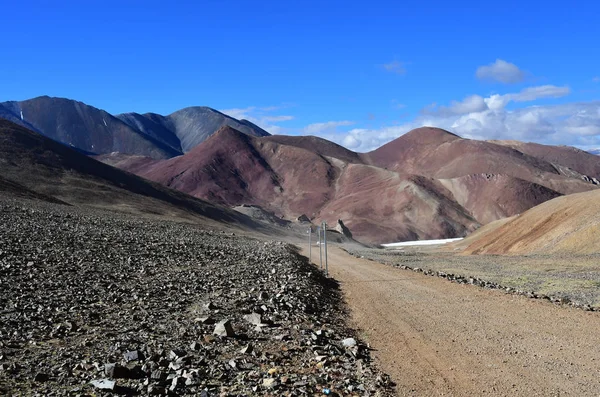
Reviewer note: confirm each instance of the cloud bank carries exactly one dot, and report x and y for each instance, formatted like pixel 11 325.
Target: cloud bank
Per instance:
pixel 477 117
pixel 500 71
pixel 261 116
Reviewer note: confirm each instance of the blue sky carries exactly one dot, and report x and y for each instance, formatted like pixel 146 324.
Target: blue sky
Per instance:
pixel 359 73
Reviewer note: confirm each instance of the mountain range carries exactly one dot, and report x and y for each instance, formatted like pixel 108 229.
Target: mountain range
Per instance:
pixel 95 131
pixel 426 184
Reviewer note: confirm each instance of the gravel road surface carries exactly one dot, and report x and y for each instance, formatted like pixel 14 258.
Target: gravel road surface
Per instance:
pixel 439 338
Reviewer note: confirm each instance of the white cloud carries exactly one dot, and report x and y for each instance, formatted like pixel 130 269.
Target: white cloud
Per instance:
pixel 575 124
pixel 327 127
pixel 500 71
pixel 239 113
pixel 395 67
pixel 260 116
pixel 596 79
pixel 278 118
pixel 473 103
pixel 543 91
pixel 350 142
pixel 476 103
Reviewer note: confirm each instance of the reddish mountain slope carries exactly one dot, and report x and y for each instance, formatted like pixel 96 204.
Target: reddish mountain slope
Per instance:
pixel 428 183
pixel 490 197
pixel 233 168
pixel 226 169
pixel 381 206
pixel 317 145
pixel 439 154
pixel 576 159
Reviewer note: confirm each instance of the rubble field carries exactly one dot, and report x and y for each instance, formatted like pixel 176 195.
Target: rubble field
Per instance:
pixel 95 303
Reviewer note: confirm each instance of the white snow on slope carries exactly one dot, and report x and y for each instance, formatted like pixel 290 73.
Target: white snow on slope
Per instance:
pixel 421 242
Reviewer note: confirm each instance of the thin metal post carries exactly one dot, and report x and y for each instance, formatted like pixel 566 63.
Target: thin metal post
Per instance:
pixel 320 250
pixel 325 240
pixel 309 245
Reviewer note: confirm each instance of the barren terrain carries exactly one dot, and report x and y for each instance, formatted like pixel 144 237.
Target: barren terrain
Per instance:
pixel 435 337
pixel 98 303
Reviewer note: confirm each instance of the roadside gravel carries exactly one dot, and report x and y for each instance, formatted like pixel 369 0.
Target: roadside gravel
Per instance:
pixel 564 279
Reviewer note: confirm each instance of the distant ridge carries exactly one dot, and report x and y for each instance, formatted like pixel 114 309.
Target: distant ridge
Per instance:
pixel 95 131
pixel 426 184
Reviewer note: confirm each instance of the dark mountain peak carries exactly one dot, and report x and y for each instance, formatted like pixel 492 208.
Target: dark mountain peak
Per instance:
pixel 193 125
pixel 85 127
pixel 197 109
pixel 93 130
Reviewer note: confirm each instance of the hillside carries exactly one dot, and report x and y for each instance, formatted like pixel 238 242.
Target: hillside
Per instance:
pixel 34 166
pixel 576 159
pixel 568 224
pixel 439 154
pixel 83 127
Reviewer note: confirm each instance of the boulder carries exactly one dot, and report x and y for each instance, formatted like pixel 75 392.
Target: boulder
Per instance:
pixel 341 228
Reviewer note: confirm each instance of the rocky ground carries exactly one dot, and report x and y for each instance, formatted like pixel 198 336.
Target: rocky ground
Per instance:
pixel 93 303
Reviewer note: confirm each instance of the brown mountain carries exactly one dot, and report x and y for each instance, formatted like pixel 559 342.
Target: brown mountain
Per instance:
pixel 439 154
pixel 428 183
pixel 566 156
pixel 488 197
pixel 36 167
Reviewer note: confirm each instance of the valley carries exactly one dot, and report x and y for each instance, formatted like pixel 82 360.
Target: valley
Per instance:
pixel 130 274
pixel 299 199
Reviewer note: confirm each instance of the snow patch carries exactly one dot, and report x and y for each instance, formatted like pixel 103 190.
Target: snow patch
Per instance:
pixel 421 242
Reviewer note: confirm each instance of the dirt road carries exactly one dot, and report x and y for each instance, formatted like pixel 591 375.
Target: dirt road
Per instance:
pixel 437 338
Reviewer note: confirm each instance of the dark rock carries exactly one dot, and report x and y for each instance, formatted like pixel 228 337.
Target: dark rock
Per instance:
pixel 114 370
pixel 41 377
pixel 341 228
pixel 224 328
pixel 247 349
pixel 175 354
pixel 303 219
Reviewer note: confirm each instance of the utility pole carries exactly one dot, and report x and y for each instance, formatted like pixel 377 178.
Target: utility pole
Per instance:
pixel 309 245
pixel 320 249
pixel 325 240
